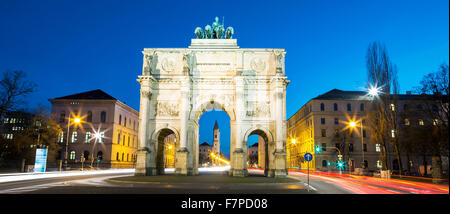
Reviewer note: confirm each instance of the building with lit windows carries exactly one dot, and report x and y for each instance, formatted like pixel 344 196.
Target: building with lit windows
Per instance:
pixel 325 122
pixel 106 134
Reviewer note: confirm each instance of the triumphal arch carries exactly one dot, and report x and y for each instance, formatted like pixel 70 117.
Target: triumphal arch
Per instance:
pixel 179 84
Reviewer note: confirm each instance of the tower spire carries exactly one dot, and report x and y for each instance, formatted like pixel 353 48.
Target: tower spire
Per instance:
pixel 216 126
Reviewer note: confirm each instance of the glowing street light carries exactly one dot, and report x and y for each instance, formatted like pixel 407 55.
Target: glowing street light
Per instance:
pixel 352 124
pixel 76 121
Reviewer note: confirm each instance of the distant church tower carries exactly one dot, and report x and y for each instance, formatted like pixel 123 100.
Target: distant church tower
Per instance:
pixel 216 141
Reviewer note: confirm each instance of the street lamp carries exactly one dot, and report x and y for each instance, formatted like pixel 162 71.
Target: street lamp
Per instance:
pixel 352 124
pixel 76 120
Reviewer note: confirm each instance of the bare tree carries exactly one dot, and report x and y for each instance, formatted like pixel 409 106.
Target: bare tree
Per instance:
pixel 434 90
pixel 383 75
pixel 13 87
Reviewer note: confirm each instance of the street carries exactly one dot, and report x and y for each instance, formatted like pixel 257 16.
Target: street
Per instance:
pixel 208 182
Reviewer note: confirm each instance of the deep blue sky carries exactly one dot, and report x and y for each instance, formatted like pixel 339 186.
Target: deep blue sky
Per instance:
pixel 74 46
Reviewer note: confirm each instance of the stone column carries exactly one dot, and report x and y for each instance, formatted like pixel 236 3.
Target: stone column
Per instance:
pixel 182 153
pixel 280 144
pixel 238 162
pixel 143 153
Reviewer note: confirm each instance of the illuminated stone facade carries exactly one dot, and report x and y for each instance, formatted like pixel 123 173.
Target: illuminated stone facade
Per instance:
pixel 179 84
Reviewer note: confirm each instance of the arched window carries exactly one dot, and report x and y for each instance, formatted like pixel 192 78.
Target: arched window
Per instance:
pixel 99 155
pixel 72 155
pixel 74 136
pixel 335 106
pixel 322 107
pixel 120 119
pixel 117 156
pixel 89 116
pixel 128 140
pixel 87 137
pixel 125 122
pixel 123 155
pixel 118 138
pixel 103 117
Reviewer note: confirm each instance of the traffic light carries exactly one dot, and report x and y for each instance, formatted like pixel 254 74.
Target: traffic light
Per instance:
pixel 318 149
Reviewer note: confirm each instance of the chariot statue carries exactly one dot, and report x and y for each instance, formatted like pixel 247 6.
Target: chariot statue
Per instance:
pixel 214 31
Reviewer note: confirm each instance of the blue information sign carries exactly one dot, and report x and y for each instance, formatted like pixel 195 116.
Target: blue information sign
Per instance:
pixel 41 160
pixel 308 157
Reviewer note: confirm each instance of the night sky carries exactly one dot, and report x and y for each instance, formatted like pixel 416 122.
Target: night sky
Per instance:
pixel 68 47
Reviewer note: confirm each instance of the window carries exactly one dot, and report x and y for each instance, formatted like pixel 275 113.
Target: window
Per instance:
pixel 393 133
pixel 74 136
pixel 102 137
pixel 365 147
pixel 322 107
pixel 125 122
pixel 72 155
pixel 87 137
pixel 336 121
pixel 128 156
pixel 379 165
pixel 322 121
pixel 349 107
pixel 103 117
pixel 366 164
pixel 364 133
pixel 407 122
pixel 335 106
pixel 336 132
pixel 324 147
pixel 120 119
pixel 117 156
pixel 361 107
pixel 421 122
pixel 99 155
pixel 350 147
pixel 405 107
pixel 124 140
pixel 419 106
pixel 123 155
pixel 435 122
pixel 128 140
pixel 86 155
pixel 61 137
pixel 434 108
pixel 134 125
pixel 118 138
pixel 324 132
pixel 62 117
pixel 89 116
pixel 392 107
pixel 324 163
pixel 377 147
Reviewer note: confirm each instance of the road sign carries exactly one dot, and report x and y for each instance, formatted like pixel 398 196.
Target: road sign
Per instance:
pixel 308 157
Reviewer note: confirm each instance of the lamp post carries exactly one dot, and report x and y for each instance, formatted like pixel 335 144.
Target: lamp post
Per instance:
pixel 76 120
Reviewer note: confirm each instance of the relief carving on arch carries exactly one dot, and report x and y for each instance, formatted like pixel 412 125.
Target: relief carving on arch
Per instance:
pixel 167 109
pixel 258 109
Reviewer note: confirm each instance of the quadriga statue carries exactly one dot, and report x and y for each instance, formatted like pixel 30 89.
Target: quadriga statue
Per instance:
pixel 208 32
pixel 199 32
pixel 229 33
pixel 219 32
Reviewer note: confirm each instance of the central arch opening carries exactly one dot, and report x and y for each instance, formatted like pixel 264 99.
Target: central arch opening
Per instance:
pixel 214 139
